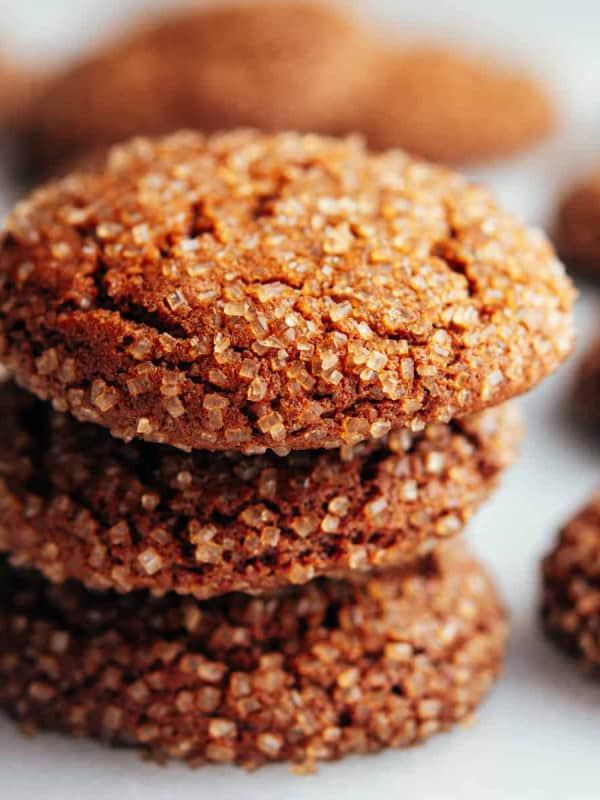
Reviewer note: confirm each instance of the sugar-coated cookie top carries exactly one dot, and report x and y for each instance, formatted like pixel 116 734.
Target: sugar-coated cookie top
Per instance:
pixel 247 291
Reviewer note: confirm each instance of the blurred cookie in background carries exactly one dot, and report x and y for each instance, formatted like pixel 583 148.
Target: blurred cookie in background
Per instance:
pixel 292 65
pixel 577 228
pixel 442 105
pixel 296 65
pixel 571 587
pixel 16 87
pixel 586 395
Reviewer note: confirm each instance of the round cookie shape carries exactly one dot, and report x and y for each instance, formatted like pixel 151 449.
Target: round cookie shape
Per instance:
pixel 76 503
pixel 252 291
pixel 578 224
pixel 450 107
pixel 570 576
pixel 275 66
pixel 312 674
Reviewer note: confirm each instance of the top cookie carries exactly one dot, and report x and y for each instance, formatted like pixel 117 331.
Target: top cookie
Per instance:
pixel 249 291
pixel 294 65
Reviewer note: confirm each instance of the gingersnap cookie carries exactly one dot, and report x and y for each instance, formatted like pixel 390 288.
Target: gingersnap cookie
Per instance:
pixel 275 66
pixel 76 503
pixel 313 673
pixel 586 389
pixel 577 229
pixel 453 108
pixel 249 291
pixel 571 593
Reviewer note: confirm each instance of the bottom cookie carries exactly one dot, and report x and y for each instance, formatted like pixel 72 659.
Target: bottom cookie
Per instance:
pixel 314 673
pixel 571 587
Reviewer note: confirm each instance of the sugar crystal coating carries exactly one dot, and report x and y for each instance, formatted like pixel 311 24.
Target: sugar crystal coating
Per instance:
pixel 455 306
pixel 311 674
pixel 76 503
pixel 571 597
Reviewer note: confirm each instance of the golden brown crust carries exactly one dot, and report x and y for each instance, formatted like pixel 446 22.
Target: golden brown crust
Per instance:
pixel 449 107
pixel 318 672
pixel 571 587
pixel 76 503
pixel 249 291
pixel 271 65
pixel 577 230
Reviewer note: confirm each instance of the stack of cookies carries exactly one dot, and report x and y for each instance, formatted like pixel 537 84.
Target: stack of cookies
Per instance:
pixel 262 385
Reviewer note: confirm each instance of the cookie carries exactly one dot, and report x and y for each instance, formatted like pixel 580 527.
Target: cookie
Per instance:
pixel 76 503
pixel 314 673
pixel 577 229
pixel 18 84
pixel 571 594
pixel 452 107
pixel 586 394
pixel 274 66
pixel 252 291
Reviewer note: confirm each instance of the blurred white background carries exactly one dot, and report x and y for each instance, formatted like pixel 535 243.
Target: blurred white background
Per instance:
pixel 537 736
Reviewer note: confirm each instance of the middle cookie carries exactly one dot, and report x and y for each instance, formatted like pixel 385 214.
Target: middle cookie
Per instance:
pixel 76 503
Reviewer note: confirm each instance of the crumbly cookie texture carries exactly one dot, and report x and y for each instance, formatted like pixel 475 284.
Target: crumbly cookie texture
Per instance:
pixel 314 673
pixel 577 228
pixel 252 291
pixel 571 594
pixel 445 106
pixel 275 66
pixel 76 503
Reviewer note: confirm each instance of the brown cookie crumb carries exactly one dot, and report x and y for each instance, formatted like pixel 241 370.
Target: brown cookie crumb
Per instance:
pixel 577 230
pixel 571 593
pixel 274 66
pixel 76 503
pixel 450 107
pixel 311 674
pixel 249 291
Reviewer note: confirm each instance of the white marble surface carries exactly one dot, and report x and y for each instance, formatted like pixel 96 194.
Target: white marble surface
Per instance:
pixel 537 735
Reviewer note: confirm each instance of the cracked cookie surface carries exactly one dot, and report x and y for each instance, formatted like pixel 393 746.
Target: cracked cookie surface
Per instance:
pixel 315 673
pixel 252 291
pixel 77 503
